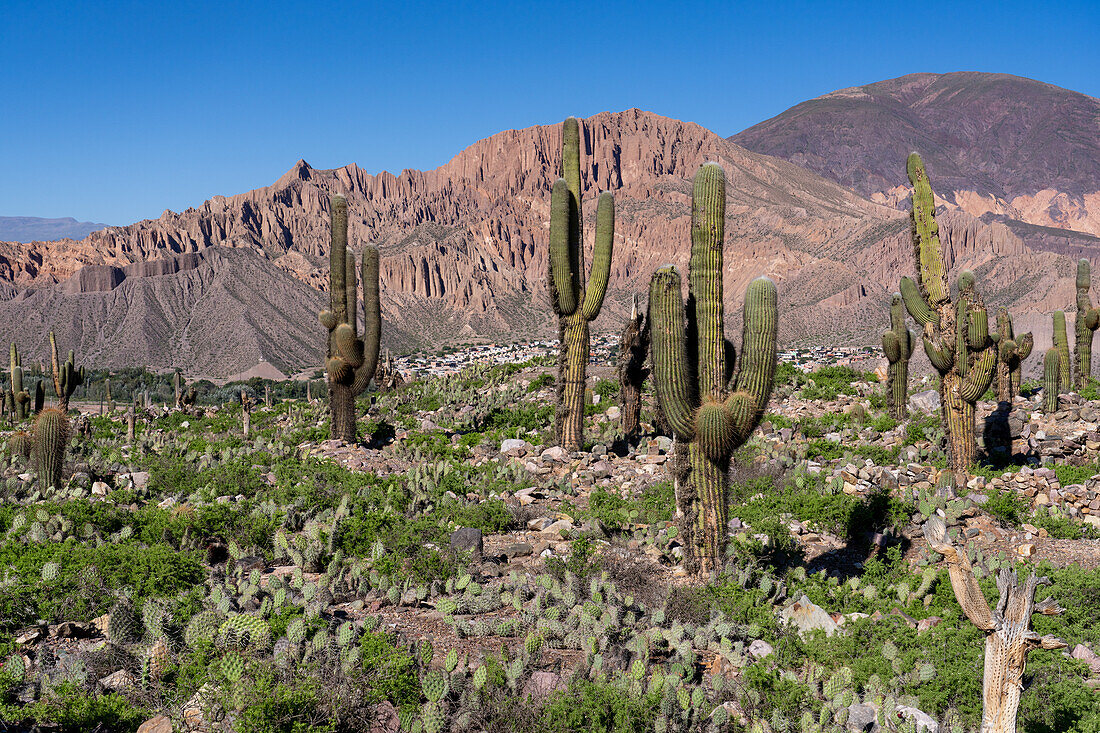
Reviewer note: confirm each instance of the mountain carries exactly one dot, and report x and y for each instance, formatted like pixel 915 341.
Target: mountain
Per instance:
pixel 33 228
pixel 463 253
pixel 996 145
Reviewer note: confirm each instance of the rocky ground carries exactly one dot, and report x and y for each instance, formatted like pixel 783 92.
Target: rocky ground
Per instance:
pixel 825 524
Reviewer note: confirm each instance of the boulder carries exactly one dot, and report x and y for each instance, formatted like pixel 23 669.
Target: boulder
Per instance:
pixel 468 539
pixel 927 401
pixel 808 616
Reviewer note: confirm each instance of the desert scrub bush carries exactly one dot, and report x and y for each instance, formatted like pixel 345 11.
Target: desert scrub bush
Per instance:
pixel 1006 506
pixel 598 707
pixel 828 383
pixel 654 504
pixel 523 417
pixel 540 382
pixel 922 427
pixel 71 709
pixel 607 389
pixel 1076 474
pixel 1061 527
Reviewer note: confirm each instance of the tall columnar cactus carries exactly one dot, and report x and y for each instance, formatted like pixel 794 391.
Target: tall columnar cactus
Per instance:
pixel 1052 379
pixel 574 303
pixel 1061 342
pixel 352 358
pixel 51 436
pixel 709 412
pixel 956 334
pixel 1009 637
pixel 19 396
pixel 1088 320
pixel 633 349
pixel 1011 352
pixel 897 344
pixel 66 377
pixel 39 396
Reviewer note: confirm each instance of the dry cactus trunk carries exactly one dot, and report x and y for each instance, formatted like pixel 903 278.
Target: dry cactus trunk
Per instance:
pixel 1008 634
pixel 633 349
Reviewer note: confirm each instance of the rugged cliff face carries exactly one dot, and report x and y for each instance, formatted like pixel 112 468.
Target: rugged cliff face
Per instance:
pixel 998 146
pixel 464 252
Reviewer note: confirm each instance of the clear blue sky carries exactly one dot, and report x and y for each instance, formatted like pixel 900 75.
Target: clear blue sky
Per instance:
pixel 114 111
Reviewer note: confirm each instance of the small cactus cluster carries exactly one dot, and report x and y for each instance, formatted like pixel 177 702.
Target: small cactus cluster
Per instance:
pixel 1086 323
pixel 575 303
pixel 897 345
pixel 1011 353
pixel 66 375
pixel 711 412
pixel 16 399
pixel 352 358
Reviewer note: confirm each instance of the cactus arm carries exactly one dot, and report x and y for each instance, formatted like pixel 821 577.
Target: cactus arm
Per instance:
pixel 758 348
pixel 978 334
pixel 980 376
pixel 338 259
pixel 571 172
pixel 926 234
pixel 56 364
pixel 891 347
pixel 671 369
pixel 708 218
pixel 601 257
pixel 563 280
pixel 351 293
pixel 941 355
pixel 915 303
pixel 1024 345
pixel 372 319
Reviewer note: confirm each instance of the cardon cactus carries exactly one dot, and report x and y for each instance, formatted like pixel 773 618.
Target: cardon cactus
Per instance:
pixel 574 303
pixel 51 436
pixel 708 411
pixel 633 350
pixel 897 344
pixel 1088 320
pixel 1061 342
pixel 351 359
pixel 66 377
pixel 1011 352
pixel 956 334
pixel 19 398
pixel 1052 379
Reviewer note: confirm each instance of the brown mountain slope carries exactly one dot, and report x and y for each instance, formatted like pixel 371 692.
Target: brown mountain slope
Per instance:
pixel 463 249
pixel 998 144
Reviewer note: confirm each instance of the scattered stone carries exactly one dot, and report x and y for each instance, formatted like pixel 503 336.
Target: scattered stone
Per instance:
pixel 861 717
pixel 760 649
pixel 808 616
pixel 118 681
pixel 514 447
pixel 520 549
pixel 541 684
pixel 921 719
pixel 468 539
pixel 927 401
pixel 159 724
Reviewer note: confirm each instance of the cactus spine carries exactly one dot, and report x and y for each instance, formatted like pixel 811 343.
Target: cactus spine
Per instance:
pixel 1011 352
pixel 956 335
pixel 633 349
pixel 1062 344
pixel 66 377
pixel 51 435
pixel 897 344
pixel 1088 320
pixel 1052 379
pixel 574 304
pixel 351 359
pixel 693 365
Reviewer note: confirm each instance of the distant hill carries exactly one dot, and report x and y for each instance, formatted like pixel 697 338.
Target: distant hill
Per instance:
pixel 36 229
pixel 995 144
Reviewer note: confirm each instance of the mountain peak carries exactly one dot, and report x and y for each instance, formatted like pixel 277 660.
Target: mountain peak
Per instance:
pixel 300 171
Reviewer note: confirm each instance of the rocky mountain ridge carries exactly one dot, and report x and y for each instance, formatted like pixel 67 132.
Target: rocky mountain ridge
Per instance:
pixel 463 251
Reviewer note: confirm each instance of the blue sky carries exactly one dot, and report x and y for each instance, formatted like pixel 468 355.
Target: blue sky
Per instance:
pixel 115 111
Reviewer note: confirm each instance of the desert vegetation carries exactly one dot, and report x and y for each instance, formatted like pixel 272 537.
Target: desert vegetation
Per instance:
pixel 691 537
